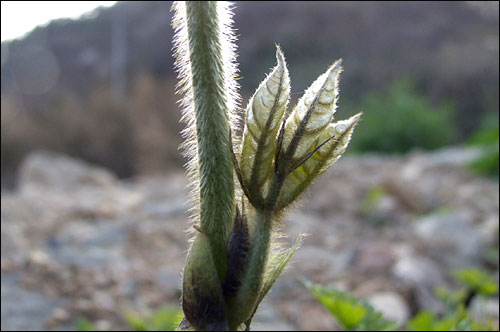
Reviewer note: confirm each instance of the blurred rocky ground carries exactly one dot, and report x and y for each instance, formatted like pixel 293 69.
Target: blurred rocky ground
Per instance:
pixel 76 241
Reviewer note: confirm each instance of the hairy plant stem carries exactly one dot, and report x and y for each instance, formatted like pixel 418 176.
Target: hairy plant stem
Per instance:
pixel 212 128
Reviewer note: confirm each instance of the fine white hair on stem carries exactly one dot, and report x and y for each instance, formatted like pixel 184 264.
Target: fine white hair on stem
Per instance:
pixel 228 47
pixel 229 55
pixel 184 87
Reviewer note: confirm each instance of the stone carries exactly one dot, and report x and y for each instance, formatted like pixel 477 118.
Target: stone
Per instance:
pixel 13 246
pixel 164 207
pixel 267 319
pixel 315 317
pixel 47 169
pixel 301 223
pixel 484 309
pixel 90 245
pixel 489 230
pixel 170 283
pixel 454 156
pixel 422 276
pixel 22 309
pixel 372 257
pixel 58 317
pixel 451 238
pixel 73 231
pixel 392 306
pixel 321 264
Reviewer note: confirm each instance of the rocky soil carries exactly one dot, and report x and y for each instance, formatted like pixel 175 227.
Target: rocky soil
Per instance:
pixel 76 241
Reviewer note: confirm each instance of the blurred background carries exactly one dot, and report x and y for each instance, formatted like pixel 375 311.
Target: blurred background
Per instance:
pixel 89 146
pixel 101 87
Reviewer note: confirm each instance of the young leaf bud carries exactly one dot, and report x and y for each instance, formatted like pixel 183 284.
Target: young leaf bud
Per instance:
pixel 327 149
pixel 313 113
pixel 202 298
pixel 264 115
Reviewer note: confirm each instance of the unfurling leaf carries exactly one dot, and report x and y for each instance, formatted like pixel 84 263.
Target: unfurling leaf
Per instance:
pixel 313 113
pixel 300 145
pixel 264 115
pixel 275 266
pixel 327 149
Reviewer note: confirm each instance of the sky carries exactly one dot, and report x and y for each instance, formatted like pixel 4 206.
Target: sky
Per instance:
pixel 20 17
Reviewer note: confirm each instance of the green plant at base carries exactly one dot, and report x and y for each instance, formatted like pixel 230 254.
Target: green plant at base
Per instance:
pixel 163 319
pixel 459 320
pixel 357 315
pixel 353 314
pixel 478 281
pixel 234 258
pixel 83 324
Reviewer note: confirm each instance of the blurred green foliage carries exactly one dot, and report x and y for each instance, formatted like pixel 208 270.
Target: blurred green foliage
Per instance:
pixel 487 137
pixel 368 208
pixel 478 281
pixel 355 314
pixel 401 120
pixel 492 255
pixel 164 319
pixel 352 314
pixel 372 198
pixel 452 298
pixel 83 324
pixel 457 321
